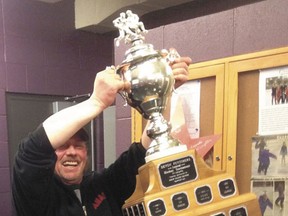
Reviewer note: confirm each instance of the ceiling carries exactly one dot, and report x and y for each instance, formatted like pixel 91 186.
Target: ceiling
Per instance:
pixel 98 15
pixel 50 1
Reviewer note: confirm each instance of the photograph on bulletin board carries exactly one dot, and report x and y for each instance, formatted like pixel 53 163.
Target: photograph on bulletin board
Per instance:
pixel 271 195
pixel 269 156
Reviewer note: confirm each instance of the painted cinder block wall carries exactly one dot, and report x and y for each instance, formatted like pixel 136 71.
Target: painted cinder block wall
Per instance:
pixel 42 53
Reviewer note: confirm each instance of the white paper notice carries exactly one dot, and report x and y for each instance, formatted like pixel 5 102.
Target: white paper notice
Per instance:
pixel 273 101
pixel 185 107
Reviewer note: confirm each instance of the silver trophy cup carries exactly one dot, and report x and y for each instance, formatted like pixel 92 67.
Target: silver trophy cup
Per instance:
pixel 151 80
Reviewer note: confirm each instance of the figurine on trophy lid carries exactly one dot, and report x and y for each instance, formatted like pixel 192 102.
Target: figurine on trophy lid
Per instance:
pixel 152 81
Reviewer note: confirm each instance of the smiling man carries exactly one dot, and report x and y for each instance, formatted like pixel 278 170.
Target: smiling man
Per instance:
pixel 72 158
pixel 49 177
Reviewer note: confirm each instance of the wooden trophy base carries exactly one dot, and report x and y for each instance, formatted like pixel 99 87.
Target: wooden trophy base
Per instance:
pixel 182 184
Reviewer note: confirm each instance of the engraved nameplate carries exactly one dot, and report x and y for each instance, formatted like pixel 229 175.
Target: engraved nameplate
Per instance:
pixel 157 207
pixel 203 194
pixel 180 201
pixel 141 209
pixel 177 171
pixel 227 188
pixel 239 212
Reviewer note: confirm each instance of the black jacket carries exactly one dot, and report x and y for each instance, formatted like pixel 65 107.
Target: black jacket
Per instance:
pixel 37 191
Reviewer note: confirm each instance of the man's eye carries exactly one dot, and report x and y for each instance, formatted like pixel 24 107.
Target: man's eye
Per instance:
pixel 79 146
pixel 62 148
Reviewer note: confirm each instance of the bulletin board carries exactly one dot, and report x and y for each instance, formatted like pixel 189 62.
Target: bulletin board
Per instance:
pixel 242 108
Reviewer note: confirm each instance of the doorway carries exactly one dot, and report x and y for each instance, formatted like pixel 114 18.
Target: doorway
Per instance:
pixel 24 113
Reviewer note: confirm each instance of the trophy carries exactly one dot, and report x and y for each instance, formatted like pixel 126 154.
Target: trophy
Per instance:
pixel 151 79
pixel 175 181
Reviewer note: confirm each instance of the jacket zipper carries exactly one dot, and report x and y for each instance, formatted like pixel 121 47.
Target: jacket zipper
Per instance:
pixel 78 195
pixel 84 209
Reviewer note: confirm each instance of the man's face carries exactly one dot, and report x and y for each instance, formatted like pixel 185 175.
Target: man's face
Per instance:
pixel 71 161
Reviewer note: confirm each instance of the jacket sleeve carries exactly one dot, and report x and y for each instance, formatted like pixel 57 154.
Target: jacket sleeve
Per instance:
pixel 121 175
pixel 33 166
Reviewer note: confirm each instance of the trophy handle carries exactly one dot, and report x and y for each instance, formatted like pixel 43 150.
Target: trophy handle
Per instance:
pixel 170 55
pixel 120 70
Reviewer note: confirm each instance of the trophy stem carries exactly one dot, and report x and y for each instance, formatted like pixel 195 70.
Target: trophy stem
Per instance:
pixel 162 143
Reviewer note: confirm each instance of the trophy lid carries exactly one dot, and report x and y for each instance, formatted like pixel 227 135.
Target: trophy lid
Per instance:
pixel 131 29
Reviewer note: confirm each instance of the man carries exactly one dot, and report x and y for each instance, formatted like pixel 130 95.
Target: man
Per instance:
pixel 48 175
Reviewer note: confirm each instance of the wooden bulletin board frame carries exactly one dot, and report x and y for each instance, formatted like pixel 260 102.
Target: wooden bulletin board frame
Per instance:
pixel 211 121
pixel 235 109
pixel 244 70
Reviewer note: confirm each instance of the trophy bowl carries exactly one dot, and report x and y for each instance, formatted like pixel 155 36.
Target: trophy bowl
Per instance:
pixel 151 81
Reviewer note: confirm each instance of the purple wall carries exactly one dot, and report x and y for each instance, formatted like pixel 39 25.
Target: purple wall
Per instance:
pixel 210 30
pixel 42 53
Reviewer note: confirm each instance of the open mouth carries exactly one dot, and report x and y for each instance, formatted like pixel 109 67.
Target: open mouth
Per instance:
pixel 70 163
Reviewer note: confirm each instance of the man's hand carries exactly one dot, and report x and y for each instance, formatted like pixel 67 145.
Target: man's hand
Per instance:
pixel 106 86
pixel 180 70
pixel 178 64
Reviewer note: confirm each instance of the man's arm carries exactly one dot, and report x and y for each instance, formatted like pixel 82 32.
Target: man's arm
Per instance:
pixel 64 124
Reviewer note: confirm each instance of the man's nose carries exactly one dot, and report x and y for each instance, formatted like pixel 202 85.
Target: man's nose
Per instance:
pixel 71 150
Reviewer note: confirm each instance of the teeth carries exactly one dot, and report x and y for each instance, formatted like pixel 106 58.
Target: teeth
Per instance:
pixel 70 163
